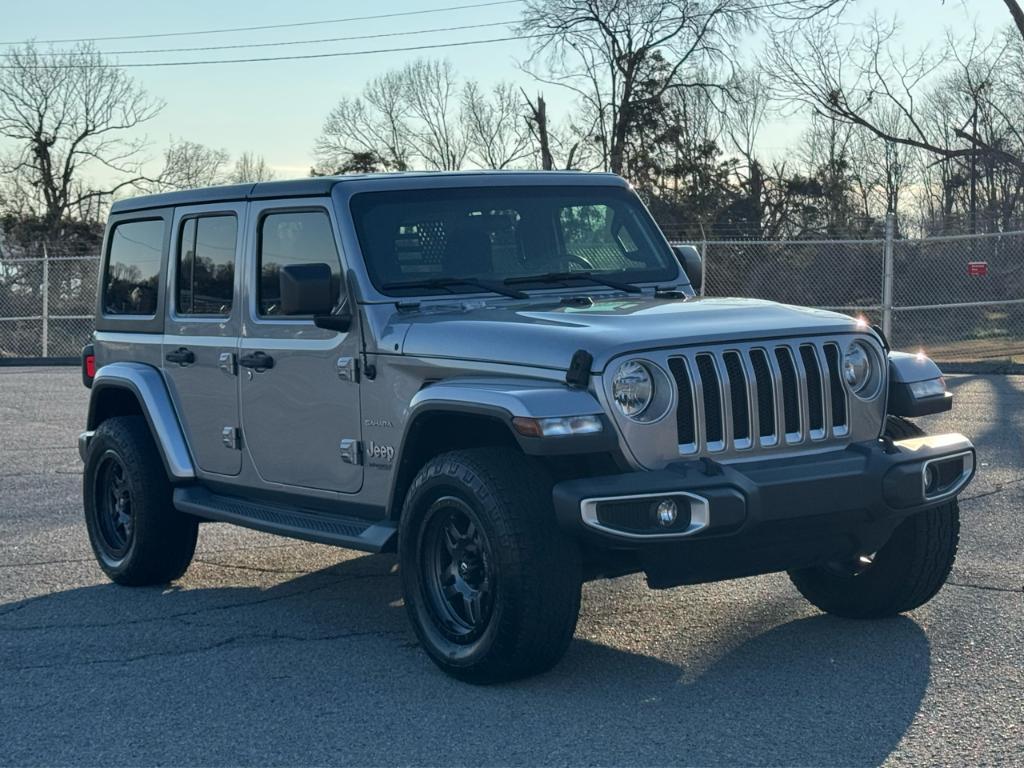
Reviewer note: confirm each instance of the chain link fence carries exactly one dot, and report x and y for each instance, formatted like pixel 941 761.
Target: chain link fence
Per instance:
pixel 959 298
pixel 47 305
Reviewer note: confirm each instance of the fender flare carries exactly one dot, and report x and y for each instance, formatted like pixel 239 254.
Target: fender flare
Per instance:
pixel 508 398
pixel 501 400
pixel 147 385
pixel 905 370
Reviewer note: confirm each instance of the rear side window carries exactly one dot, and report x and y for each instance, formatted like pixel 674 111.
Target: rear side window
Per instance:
pixel 293 237
pixel 206 265
pixel 131 282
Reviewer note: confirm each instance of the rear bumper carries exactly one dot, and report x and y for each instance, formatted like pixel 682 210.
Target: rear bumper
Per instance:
pixel 743 519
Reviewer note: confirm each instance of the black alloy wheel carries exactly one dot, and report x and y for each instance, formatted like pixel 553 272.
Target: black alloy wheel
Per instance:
pixel 458 569
pixel 114 506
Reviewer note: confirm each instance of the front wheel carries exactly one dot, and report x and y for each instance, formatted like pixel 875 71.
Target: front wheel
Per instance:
pixel 491 585
pixel 904 574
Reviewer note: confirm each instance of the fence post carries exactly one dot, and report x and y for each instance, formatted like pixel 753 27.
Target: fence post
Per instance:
pixel 46 302
pixel 703 262
pixel 887 275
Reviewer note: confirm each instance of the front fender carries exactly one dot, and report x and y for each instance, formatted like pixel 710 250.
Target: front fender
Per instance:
pixel 147 385
pixel 505 399
pixel 515 397
pixel 907 372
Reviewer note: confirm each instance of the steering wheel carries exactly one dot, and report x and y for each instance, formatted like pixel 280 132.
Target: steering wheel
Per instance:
pixel 576 263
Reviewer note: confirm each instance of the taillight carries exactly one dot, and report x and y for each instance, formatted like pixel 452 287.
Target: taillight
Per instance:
pixel 88 365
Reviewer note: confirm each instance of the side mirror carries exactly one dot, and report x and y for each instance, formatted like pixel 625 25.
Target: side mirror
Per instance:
pixel 689 258
pixel 306 289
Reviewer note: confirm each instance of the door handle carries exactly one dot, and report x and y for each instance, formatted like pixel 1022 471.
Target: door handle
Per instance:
pixel 182 356
pixel 259 361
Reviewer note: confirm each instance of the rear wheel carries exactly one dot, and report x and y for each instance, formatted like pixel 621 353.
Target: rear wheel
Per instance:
pixel 491 585
pixel 135 532
pixel 904 574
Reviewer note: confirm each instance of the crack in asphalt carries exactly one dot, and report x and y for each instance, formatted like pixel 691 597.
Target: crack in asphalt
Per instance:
pixel 986 587
pixel 180 614
pixel 68 561
pixel 248 638
pixel 258 569
pixel 1000 488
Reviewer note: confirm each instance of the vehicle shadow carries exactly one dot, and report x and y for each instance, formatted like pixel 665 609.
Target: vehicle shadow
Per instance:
pixel 323 668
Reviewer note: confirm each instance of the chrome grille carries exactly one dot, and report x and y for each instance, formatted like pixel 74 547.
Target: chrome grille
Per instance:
pixel 759 396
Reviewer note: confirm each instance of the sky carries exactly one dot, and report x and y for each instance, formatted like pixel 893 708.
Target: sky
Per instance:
pixel 276 109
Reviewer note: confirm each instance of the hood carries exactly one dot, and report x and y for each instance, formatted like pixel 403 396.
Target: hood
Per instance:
pixel 546 336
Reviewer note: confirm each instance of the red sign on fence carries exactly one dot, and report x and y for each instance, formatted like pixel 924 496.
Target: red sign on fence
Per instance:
pixel 977 268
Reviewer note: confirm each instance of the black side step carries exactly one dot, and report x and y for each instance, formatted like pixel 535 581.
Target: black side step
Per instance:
pixel 348 532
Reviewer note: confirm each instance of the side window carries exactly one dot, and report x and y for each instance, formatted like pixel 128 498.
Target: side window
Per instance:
pixel 131 282
pixel 592 233
pixel 292 237
pixel 206 266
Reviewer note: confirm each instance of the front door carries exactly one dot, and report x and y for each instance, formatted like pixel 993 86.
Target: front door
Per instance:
pixel 300 403
pixel 202 329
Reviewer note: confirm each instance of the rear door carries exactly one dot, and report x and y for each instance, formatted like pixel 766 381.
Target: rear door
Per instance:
pixel 300 413
pixel 201 333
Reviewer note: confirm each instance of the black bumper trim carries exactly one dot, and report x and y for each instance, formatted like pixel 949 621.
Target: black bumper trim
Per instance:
pixel 773 514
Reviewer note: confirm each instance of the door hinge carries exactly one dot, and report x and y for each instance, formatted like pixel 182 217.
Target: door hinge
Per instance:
pixel 227 363
pixel 351 452
pixel 231 438
pixel 348 369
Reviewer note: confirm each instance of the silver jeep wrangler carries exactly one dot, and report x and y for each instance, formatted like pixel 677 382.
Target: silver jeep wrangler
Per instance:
pixel 508 379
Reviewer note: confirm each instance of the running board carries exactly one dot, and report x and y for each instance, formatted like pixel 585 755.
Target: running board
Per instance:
pixel 322 528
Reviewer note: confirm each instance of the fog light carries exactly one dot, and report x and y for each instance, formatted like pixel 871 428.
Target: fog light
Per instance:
pixel 931 479
pixel 666 512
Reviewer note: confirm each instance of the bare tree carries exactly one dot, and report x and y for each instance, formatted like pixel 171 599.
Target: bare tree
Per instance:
pixel 431 92
pixel 189 164
pixel 66 112
pixel 374 125
pixel 251 167
pixel 497 135
pixel 609 53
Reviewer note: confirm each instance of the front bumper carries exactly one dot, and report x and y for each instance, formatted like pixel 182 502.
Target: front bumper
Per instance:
pixel 777 514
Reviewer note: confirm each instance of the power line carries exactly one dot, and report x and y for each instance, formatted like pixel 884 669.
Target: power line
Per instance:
pixel 271 26
pixel 112 65
pixel 285 42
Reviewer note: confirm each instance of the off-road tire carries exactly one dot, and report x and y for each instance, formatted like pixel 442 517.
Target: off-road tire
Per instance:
pixel 907 571
pixel 536 567
pixel 161 541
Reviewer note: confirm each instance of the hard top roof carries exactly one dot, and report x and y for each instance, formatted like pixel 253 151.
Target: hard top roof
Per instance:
pixel 322 185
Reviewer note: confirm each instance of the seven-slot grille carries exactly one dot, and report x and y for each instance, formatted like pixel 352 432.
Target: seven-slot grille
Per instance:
pixel 775 394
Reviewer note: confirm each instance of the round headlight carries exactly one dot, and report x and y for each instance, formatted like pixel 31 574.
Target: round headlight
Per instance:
pixel 632 388
pixel 859 369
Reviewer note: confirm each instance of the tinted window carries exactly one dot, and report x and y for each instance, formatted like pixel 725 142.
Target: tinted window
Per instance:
pixel 294 237
pixel 206 265
pixel 131 285
pixel 499 233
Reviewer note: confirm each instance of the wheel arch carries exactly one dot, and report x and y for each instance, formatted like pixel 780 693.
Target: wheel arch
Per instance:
pixel 135 389
pixel 440 428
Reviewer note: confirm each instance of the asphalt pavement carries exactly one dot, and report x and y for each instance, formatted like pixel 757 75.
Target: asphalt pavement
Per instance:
pixel 271 651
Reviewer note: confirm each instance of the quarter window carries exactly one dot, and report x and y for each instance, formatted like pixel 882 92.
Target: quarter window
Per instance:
pixel 131 282
pixel 293 237
pixel 206 265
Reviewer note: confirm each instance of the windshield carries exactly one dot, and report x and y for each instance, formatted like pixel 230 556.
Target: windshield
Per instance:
pixel 419 241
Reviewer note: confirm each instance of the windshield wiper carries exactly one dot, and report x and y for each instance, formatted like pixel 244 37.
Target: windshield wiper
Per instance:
pixel 561 277
pixel 448 282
